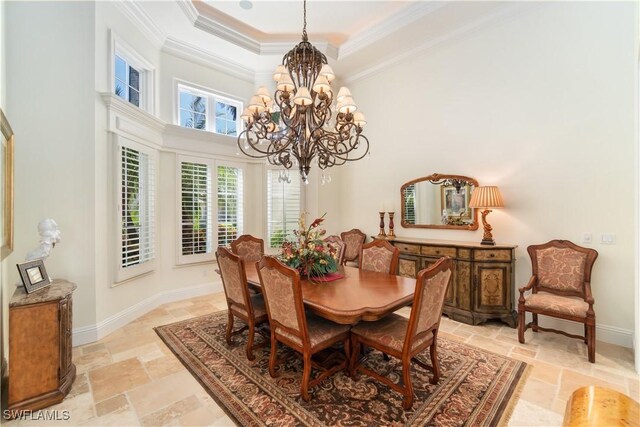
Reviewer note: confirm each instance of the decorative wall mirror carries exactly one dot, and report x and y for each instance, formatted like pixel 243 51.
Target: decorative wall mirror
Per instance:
pixel 439 201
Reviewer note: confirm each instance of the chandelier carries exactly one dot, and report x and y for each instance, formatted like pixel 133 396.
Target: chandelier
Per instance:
pixel 300 122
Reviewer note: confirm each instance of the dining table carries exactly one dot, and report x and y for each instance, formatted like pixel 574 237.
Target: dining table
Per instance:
pixel 359 295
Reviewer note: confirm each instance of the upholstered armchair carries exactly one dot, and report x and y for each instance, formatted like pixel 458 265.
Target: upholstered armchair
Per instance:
pixel 337 243
pixel 560 287
pixel 380 256
pixel 241 304
pixel 249 247
pixel 404 338
pixel 353 240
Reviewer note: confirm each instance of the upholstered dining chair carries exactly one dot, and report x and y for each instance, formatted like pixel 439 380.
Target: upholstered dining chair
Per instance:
pixel 405 338
pixel 249 247
pixel 353 240
pixel 241 304
pixel 339 246
pixel 305 333
pixel 560 287
pixel 380 256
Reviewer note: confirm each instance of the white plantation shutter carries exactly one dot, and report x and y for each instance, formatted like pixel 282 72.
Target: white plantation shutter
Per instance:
pixel 196 208
pixel 283 207
pixel 230 206
pixel 410 204
pixel 137 207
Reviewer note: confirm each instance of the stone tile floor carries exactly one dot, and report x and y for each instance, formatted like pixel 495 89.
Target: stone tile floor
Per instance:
pixel 131 378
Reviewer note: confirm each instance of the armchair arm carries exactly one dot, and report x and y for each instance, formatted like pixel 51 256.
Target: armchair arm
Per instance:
pixel 589 299
pixel 532 282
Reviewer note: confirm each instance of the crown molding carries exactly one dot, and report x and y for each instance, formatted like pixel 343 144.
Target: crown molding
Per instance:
pixel 387 27
pixel 116 104
pixel 503 14
pixel 228 33
pixel 192 53
pixel 189 9
pixel 143 21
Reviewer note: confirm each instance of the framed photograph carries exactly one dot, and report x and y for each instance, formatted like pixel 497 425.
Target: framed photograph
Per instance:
pixel 34 276
pixel 6 163
pixel 456 204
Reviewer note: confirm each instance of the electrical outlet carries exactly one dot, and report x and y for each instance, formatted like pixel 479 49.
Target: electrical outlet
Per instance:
pixel 608 239
pixel 587 237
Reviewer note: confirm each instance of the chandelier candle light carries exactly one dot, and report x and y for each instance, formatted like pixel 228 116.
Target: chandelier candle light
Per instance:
pixel 297 124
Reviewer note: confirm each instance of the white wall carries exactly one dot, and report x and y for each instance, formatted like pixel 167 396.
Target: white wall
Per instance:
pixel 541 105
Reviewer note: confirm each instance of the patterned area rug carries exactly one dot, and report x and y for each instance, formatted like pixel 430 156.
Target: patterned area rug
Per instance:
pixel 476 387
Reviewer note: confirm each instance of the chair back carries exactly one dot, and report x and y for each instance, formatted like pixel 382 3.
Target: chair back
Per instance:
pixel 561 267
pixel 379 256
pixel 234 278
pixel 353 240
pixel 337 243
pixel 249 247
pixel 283 299
pixel 428 300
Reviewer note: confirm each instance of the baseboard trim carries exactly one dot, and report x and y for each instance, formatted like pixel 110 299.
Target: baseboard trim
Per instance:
pixel 92 333
pixel 605 333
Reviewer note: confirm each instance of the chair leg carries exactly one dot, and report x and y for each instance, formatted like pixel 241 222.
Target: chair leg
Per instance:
pixel 586 334
pixel 306 375
pixel 591 343
pixel 521 326
pixel 252 331
pixel 229 327
pixel 272 356
pixel 433 351
pixel 407 402
pixel 534 324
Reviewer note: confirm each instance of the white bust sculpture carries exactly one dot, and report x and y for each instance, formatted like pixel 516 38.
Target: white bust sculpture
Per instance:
pixel 49 236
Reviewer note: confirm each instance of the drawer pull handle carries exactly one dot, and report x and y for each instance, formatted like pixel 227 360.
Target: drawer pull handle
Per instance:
pixel 437 252
pixel 492 255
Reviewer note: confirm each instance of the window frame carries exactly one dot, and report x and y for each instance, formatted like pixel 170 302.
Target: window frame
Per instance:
pixel 126 273
pixel 147 72
pixel 302 202
pixel 212 164
pixel 212 98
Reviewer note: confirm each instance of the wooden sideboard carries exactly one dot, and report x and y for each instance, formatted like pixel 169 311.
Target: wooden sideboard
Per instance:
pixel 40 368
pixel 483 279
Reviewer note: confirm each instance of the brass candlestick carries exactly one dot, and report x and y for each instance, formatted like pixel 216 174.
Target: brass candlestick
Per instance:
pixel 381 233
pixel 391 234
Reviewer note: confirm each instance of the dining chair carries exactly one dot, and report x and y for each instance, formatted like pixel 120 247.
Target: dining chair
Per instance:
pixel 405 338
pixel 353 240
pixel 337 243
pixel 560 287
pixel 380 256
pixel 249 308
pixel 305 333
pixel 249 247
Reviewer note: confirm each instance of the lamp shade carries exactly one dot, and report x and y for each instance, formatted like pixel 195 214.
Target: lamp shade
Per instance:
pixel 486 197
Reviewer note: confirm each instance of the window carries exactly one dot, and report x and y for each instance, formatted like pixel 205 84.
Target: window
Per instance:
pixel 127 81
pixel 197 186
pixel 410 204
pixel 229 204
pixel 204 110
pixel 137 211
pixel 283 206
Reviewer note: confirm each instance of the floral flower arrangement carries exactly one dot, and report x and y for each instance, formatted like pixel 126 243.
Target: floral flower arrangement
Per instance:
pixel 308 253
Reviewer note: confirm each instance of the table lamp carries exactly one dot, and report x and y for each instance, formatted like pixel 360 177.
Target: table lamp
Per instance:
pixel 486 198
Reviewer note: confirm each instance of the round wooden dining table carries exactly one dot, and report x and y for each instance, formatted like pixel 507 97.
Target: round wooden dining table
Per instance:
pixel 359 295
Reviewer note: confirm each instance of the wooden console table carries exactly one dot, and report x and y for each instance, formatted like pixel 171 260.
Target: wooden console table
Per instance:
pixel 483 279
pixel 40 368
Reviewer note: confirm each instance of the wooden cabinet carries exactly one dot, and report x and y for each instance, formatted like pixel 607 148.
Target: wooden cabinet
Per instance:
pixel 483 279
pixel 41 370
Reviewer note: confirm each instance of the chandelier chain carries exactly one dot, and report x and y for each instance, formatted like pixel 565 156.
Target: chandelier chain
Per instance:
pixel 304 27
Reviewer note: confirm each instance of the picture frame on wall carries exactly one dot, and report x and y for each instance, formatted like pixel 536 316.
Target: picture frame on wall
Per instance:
pixel 6 199
pixel 34 276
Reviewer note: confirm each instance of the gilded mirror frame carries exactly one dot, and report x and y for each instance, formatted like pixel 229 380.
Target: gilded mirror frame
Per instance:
pixel 438 178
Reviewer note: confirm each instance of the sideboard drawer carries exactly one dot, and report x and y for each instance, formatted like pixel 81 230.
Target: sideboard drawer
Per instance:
pixel 438 251
pixel 492 255
pixel 407 248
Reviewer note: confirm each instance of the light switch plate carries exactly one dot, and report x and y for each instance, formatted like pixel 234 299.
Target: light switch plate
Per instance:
pixel 587 238
pixel 608 239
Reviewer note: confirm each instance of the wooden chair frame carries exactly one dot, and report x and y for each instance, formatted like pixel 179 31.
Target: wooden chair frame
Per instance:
pixel 380 243
pixel 337 240
pixel 589 321
pixel 306 350
pixel 407 355
pixel 346 233
pixel 250 319
pixel 246 238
